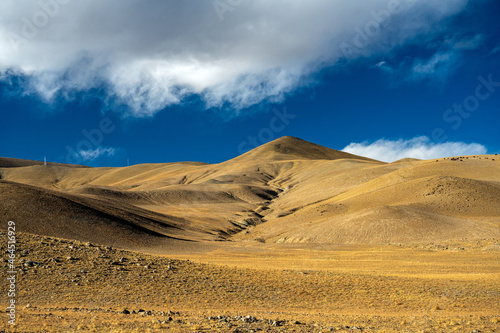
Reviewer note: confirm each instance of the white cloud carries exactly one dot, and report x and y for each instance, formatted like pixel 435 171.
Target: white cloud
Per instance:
pixel 419 147
pixel 384 67
pixel 91 155
pixel 151 55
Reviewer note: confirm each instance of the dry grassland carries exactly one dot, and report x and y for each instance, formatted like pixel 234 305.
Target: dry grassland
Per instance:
pixel 70 286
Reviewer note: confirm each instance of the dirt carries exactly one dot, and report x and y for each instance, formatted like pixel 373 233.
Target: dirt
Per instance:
pixel 70 286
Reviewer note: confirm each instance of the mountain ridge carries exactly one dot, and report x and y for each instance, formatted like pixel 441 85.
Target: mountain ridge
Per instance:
pixel 288 190
pixel 292 148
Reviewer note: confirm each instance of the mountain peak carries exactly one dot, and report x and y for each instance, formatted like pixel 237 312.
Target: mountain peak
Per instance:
pixel 288 139
pixel 292 148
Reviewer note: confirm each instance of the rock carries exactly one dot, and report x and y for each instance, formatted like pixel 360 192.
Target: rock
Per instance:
pixel 278 323
pixel 249 319
pixel 126 312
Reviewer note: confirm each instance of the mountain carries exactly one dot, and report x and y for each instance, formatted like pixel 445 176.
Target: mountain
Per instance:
pixel 6 162
pixel 286 191
pixel 291 148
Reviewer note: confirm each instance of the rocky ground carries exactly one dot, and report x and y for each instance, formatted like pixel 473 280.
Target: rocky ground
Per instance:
pixel 70 286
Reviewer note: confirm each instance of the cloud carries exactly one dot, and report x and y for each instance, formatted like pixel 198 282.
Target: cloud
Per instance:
pixel 93 154
pixel 447 56
pixel 419 147
pixel 149 56
pixel 438 68
pixel 495 50
pixel 384 67
pixel 471 43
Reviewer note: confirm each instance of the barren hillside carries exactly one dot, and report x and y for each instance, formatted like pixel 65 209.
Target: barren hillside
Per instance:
pixel 288 190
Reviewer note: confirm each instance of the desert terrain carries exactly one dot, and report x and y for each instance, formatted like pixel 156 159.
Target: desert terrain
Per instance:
pixel 289 237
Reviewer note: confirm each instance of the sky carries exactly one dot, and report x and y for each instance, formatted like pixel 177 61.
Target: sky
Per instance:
pixel 123 82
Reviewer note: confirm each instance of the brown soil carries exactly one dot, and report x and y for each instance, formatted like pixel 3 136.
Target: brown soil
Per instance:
pixel 70 286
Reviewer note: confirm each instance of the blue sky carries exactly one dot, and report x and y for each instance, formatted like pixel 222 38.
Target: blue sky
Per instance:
pixel 122 82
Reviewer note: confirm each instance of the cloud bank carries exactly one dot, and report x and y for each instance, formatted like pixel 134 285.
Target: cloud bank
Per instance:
pixel 420 147
pixel 230 53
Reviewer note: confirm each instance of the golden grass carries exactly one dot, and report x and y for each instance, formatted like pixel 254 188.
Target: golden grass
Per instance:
pixel 302 237
pixel 89 293
pixel 287 191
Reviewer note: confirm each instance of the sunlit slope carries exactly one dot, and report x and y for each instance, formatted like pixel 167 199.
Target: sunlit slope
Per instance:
pixel 404 202
pixel 291 148
pixel 288 190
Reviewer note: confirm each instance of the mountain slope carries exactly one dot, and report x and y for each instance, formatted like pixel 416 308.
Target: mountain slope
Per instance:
pixel 291 148
pixel 418 202
pixel 48 212
pixel 6 162
pixel 288 190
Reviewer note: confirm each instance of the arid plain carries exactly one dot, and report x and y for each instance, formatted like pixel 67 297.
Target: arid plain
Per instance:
pixel 289 237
